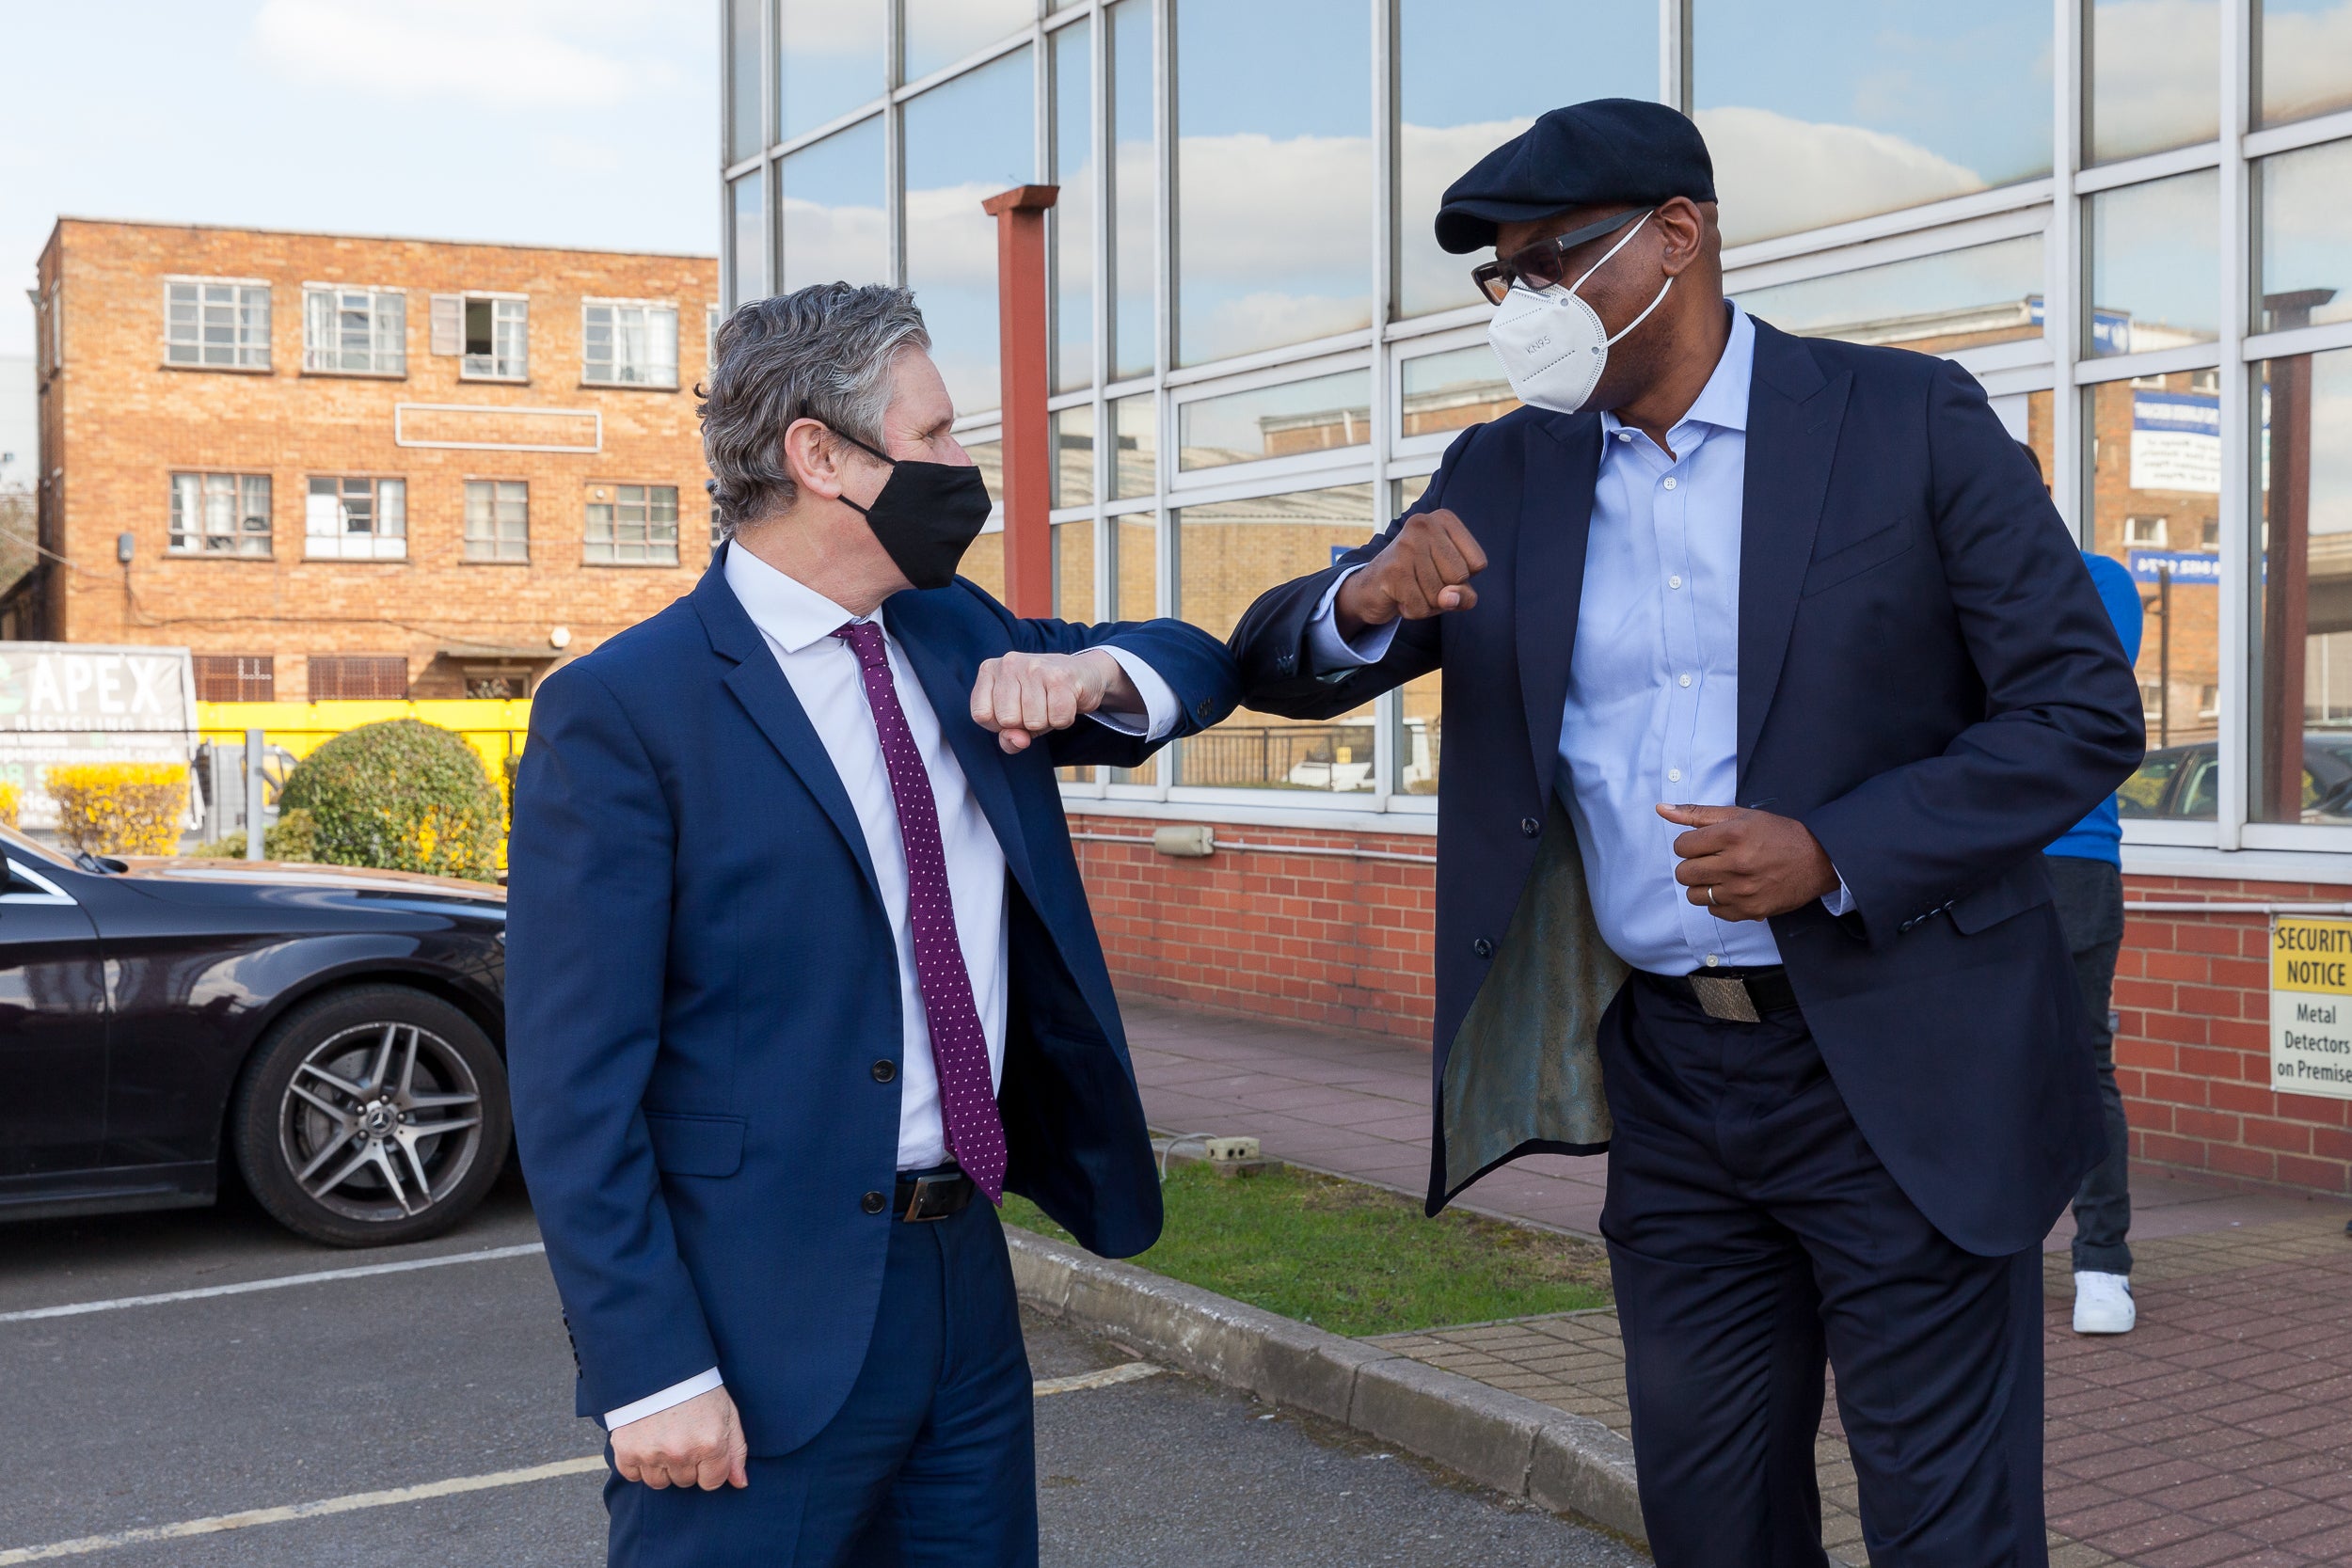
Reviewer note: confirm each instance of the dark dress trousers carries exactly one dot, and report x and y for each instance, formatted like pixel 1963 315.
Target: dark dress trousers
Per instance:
pixel 703 990
pixel 1927 682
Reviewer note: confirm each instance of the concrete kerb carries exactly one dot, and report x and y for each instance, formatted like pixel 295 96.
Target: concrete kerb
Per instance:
pixel 1519 1447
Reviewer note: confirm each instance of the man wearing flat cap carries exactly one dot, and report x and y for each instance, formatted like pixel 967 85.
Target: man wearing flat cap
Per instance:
pixel 1769 669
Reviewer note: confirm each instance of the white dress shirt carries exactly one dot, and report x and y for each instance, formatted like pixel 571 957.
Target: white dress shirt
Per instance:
pixel 1653 705
pixel 798 624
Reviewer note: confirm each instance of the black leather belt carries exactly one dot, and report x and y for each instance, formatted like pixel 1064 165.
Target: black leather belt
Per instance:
pixel 1733 995
pixel 934 1195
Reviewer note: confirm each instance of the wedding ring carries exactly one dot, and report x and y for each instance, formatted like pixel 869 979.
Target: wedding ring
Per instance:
pixel 1711 895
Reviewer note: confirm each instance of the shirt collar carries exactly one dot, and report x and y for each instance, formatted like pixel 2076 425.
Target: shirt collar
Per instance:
pixel 791 614
pixel 1723 403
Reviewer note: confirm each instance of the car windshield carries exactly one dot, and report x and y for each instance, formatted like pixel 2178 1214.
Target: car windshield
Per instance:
pixel 18 842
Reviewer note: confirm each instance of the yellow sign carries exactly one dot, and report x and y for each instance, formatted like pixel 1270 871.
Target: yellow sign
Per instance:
pixel 2310 1006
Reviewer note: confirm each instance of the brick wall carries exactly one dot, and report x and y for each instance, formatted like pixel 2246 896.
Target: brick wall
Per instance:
pixel 1332 940
pixel 119 421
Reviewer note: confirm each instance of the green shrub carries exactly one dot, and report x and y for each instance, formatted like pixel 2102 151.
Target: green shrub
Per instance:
pixel 403 795
pixel 293 837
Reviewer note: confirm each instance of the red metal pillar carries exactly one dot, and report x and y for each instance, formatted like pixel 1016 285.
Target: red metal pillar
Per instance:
pixel 1020 215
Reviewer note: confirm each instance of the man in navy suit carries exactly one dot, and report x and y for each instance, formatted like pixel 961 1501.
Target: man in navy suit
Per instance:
pixel 800 965
pixel 1769 669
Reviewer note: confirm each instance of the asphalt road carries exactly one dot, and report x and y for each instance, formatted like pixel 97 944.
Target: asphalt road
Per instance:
pixel 145 1417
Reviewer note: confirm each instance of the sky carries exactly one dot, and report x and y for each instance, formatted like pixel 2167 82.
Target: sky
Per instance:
pixel 586 123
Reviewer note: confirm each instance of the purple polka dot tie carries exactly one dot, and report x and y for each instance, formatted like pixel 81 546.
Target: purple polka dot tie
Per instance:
pixel 967 1093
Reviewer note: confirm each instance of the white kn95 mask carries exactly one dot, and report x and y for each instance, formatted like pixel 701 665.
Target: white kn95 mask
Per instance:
pixel 1552 344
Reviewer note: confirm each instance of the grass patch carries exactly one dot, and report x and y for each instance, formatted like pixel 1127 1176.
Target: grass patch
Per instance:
pixel 1354 1258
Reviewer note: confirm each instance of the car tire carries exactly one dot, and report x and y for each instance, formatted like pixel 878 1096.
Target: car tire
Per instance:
pixel 370 1115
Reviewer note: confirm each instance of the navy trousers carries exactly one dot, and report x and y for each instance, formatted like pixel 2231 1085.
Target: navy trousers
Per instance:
pixel 1753 1237
pixel 930 1463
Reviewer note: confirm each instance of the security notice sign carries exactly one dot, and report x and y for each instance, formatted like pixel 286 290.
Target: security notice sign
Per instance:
pixel 73 702
pixel 2310 1006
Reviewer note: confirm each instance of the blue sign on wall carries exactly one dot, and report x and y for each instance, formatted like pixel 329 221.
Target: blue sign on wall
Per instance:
pixel 2189 569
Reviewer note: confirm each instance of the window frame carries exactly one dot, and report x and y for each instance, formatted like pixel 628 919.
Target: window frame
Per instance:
pixel 595 302
pixel 173 550
pixel 239 366
pixel 588 541
pixel 467 554
pixel 376 484
pixel 494 298
pixel 377 294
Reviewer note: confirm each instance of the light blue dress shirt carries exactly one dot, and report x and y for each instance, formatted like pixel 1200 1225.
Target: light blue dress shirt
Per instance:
pixel 1653 705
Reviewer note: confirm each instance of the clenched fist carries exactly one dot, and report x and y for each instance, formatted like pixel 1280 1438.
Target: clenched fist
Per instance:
pixel 698 1443
pixel 1021 696
pixel 1747 864
pixel 1424 571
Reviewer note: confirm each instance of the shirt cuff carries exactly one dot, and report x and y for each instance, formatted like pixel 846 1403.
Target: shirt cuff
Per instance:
pixel 1327 651
pixel 1160 707
pixel 1840 902
pixel 653 1404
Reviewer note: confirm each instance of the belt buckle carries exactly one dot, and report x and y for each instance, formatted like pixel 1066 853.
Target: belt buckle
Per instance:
pixel 1725 997
pixel 918 1204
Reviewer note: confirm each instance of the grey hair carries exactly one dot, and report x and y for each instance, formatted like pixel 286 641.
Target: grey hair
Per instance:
pixel 821 353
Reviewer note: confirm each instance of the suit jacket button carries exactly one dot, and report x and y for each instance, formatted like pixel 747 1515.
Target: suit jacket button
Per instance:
pixel 1484 948
pixel 884 1071
pixel 1287 664
pixel 1203 711
pixel 873 1203
pixel 1528 826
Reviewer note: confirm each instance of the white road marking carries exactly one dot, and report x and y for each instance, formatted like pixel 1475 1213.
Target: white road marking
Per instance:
pixel 1126 1372
pixel 362 1271
pixel 347 1504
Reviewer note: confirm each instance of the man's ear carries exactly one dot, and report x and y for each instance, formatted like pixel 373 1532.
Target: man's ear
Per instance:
pixel 813 457
pixel 1683 227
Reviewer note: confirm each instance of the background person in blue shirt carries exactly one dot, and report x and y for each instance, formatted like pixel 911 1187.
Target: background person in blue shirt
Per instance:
pixel 2086 868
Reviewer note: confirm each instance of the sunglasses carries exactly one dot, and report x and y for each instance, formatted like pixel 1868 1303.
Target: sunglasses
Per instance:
pixel 1543 265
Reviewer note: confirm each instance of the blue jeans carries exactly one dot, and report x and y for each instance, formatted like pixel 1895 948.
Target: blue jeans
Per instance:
pixel 2090 910
pixel 932 1462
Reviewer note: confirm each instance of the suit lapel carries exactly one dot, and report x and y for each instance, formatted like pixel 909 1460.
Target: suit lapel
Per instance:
pixel 1555 519
pixel 759 685
pixel 950 688
pixel 1794 413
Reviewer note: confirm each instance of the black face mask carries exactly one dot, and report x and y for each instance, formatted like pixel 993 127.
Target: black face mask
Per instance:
pixel 925 516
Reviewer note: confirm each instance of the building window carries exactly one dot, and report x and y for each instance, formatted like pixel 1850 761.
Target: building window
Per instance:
pixel 357 519
pixel 220 515
pixel 235 677
pixel 2148 531
pixel 358 677
pixel 216 324
pixel 498 519
pixel 632 524
pixel 490 337
pixel 625 344
pixel 49 330
pixel 355 331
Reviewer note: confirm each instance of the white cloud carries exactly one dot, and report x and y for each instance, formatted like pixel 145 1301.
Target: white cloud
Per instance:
pixel 824 242
pixel 949 240
pixel 1255 208
pixel 2152 76
pixel 1776 175
pixel 1269 316
pixel 502 53
pixel 2307 60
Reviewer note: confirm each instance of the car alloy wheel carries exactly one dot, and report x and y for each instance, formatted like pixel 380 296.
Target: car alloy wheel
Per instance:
pixel 380 1120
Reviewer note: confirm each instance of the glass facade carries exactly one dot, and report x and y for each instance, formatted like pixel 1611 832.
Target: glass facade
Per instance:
pixel 2128 222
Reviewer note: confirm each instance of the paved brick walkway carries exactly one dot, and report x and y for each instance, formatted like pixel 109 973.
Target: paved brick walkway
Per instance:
pixel 2221 1431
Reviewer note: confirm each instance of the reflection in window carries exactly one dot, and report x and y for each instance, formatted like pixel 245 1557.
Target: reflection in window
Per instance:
pixel 1073 571
pixel 1228 554
pixel 1987 293
pixel 743 51
pixel 2156 266
pixel 829 61
pixel 984 563
pixel 965 141
pixel 2303 665
pixel 940 32
pixel 1419 711
pixel 2155 473
pixel 2304 234
pixel 751 248
pixel 1136 577
pixel 1459 97
pixel 1072 216
pixel 1453 390
pixel 356 519
pixel 1135 470
pixel 1273 174
pixel 1135 343
pixel 830 211
pixel 1074 455
pixel 2155 76
pixel 2302 58
pixel 1317 415
pixel 1867 105
pixel 990 455
pixel 631 525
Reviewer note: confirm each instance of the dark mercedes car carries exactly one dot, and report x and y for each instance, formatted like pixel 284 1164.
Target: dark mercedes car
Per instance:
pixel 335 1034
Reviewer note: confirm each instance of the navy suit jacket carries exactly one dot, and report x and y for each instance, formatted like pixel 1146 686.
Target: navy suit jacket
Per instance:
pixel 701 979
pixel 1927 681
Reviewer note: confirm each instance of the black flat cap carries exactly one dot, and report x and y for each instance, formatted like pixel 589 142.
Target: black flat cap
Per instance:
pixel 1609 150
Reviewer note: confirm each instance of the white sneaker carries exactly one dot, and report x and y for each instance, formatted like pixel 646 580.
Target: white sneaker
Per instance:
pixel 2103 1303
